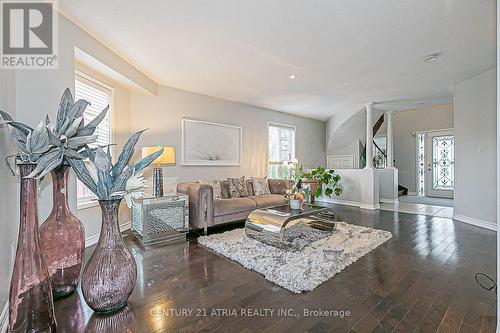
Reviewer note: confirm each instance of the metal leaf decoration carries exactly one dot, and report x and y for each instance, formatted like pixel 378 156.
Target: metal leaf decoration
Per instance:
pixel 80 141
pixel 147 160
pixel 111 179
pixel 83 174
pixel 126 154
pixel 39 139
pixel 65 103
pixel 90 128
pixel 47 163
pixel 67 136
pixel 77 109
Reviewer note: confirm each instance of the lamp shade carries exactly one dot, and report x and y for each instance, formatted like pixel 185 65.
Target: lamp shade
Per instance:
pixel 167 157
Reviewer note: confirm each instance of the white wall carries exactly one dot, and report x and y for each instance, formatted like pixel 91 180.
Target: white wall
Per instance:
pixel 162 114
pixel 360 188
pixel 388 185
pixel 9 197
pixel 475 118
pixel 405 125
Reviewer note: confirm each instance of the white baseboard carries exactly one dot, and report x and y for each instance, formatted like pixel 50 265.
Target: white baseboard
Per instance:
pixel 340 202
pixel 370 206
pixel 4 318
pixel 391 201
pixel 478 223
pixel 92 240
pixel 350 203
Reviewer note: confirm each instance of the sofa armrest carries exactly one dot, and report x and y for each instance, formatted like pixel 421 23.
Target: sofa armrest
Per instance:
pixel 279 186
pixel 201 204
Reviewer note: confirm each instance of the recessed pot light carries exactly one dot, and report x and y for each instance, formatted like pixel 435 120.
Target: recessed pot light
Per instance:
pixel 292 76
pixel 432 57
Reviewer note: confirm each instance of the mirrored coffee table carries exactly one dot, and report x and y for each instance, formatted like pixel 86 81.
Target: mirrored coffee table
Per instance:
pixel 269 225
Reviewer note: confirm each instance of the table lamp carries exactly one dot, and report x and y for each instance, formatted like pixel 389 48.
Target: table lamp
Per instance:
pixel 167 157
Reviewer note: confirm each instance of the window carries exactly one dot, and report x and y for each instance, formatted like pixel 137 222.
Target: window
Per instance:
pixel 281 149
pixel 99 95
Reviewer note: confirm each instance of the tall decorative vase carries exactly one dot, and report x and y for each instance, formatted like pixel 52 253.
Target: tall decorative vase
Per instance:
pixel 63 239
pixel 31 307
pixel 110 275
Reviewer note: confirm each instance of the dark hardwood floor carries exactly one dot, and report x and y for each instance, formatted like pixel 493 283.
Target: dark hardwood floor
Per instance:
pixel 422 280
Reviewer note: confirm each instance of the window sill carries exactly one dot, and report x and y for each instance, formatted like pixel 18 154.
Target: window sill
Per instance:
pixel 87 204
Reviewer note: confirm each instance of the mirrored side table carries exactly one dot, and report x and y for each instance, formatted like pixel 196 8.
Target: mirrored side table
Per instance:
pixel 160 220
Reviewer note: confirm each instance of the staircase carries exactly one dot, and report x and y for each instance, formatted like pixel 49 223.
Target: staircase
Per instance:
pixel 380 158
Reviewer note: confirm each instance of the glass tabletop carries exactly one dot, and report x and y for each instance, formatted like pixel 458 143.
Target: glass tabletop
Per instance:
pixel 285 210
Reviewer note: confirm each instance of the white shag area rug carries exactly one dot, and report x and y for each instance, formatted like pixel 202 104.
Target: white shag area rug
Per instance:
pixel 304 269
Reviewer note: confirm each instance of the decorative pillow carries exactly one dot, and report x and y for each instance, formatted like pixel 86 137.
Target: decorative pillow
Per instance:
pixel 216 185
pixel 260 186
pixel 237 187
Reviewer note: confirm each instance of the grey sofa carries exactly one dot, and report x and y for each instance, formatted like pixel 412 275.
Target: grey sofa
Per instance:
pixel 205 211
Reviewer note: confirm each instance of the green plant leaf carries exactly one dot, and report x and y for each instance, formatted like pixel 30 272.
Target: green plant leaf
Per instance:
pixel 328 192
pixel 317 193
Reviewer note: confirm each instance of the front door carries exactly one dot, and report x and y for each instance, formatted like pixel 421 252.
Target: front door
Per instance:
pixel 440 164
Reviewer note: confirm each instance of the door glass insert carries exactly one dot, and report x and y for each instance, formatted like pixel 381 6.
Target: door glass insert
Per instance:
pixel 443 162
pixel 421 163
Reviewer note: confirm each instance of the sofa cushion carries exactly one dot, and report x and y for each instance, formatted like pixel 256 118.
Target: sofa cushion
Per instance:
pixel 238 187
pixel 267 200
pixel 216 186
pixel 260 186
pixel 233 205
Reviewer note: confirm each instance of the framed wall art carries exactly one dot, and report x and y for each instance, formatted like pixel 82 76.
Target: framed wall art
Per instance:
pixel 208 143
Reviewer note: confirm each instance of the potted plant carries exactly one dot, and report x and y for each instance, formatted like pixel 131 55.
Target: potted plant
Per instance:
pixel 111 273
pixel 62 234
pixel 31 306
pixel 326 181
pixel 295 196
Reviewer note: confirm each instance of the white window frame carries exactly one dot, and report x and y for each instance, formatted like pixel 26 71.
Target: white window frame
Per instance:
pixel 294 140
pixel 91 201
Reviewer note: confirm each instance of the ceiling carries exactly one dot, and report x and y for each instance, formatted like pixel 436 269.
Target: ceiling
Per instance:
pixel 344 53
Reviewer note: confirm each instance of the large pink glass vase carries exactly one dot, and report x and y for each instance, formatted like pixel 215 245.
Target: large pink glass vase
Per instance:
pixel 63 239
pixel 31 307
pixel 111 273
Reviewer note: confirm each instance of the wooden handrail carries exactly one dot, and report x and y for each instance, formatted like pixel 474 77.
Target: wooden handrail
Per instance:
pixel 378 124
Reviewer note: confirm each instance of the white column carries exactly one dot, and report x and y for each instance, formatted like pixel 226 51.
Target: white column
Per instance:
pixel 369 135
pixel 390 141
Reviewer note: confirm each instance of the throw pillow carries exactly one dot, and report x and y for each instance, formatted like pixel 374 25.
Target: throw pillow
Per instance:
pixel 216 185
pixel 237 187
pixel 260 186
